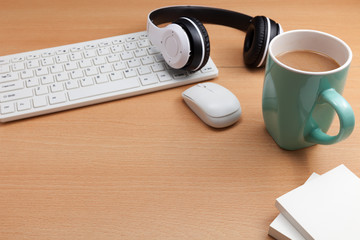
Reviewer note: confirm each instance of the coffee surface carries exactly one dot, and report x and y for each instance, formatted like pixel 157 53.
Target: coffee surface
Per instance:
pixel 309 61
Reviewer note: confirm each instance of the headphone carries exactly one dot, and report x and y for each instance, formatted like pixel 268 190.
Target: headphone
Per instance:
pixel 185 43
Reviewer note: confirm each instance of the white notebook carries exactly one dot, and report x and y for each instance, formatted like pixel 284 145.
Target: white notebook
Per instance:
pixel 326 208
pixel 281 228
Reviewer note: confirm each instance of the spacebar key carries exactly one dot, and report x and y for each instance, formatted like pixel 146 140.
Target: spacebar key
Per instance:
pixel 99 89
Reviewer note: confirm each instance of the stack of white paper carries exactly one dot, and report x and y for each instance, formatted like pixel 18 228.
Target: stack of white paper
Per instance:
pixel 326 207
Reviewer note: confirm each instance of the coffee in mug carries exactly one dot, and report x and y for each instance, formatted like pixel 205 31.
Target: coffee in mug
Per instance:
pixel 306 60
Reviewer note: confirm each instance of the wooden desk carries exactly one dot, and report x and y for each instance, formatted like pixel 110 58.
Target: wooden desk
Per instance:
pixel 147 167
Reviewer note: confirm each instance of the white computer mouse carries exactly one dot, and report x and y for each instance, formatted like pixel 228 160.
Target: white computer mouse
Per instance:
pixel 214 104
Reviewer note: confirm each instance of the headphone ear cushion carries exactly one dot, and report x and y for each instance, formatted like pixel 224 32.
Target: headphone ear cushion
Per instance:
pixel 199 42
pixel 255 41
pixel 206 39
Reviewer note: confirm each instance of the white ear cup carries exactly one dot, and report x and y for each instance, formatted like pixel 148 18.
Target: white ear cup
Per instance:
pixel 175 46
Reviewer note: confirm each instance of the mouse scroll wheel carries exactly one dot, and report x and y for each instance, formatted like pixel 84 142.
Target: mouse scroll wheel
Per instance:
pixel 205 87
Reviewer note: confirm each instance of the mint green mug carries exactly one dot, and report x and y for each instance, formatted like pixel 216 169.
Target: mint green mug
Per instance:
pixel 299 106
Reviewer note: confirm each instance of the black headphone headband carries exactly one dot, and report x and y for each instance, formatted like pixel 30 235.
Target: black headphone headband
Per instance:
pixel 204 14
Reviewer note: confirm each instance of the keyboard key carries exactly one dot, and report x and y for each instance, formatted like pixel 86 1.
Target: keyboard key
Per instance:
pixel 143 43
pixel 119 66
pixel 130 73
pixel 39 101
pixel 71 84
pixel 158 67
pixel 10 86
pixel 159 58
pixel 4 61
pixel 56 87
pixel 113 58
pixel 90 46
pixel 86 81
pixel 32 82
pixel 61 59
pixel 152 50
pixel 104 44
pixel 7 108
pixel 117 41
pixel 147 80
pixel 143 36
pixel 41 71
pixel 57 98
pixel 90 53
pixel 41 90
pixel 75 56
pixel 207 69
pixel 105 68
pixel 18 66
pixel 62 76
pixel 4 69
pixel 147 60
pixel 15 95
pixel 117 48
pixel 70 66
pixel 115 76
pixel 103 89
pixel 140 53
pixel 179 74
pixel 47 79
pixel 27 73
pixel 47 61
pixel 8 77
pixel 103 51
pixel 76 74
pixel 126 55
pixel 101 79
pixel 48 54
pixel 32 64
pixel 76 49
pixel 134 63
pixel 99 60
pixel 164 76
pixel 62 51
pixel 131 39
pixel 32 56
pixel 23 105
pixel 91 71
pixel 56 68
pixel 17 59
pixel 130 46
pixel 144 70
pixel 85 63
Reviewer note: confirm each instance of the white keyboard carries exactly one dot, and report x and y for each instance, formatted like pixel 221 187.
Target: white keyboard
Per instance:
pixel 60 78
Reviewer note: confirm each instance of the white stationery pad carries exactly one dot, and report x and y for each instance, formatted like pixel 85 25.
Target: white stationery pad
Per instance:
pixel 327 208
pixel 281 228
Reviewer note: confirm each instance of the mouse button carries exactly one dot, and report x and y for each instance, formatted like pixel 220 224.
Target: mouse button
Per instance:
pixel 223 105
pixel 222 91
pixel 214 87
pixel 197 94
pixel 189 93
pixel 229 98
pixel 209 85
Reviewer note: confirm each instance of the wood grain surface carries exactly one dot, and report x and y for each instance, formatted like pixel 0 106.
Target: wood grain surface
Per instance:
pixel 146 167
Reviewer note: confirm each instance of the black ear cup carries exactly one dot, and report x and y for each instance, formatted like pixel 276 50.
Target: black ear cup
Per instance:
pixel 199 42
pixel 255 41
pixel 259 34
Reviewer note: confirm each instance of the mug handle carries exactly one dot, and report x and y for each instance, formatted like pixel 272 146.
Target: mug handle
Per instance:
pixel 345 114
